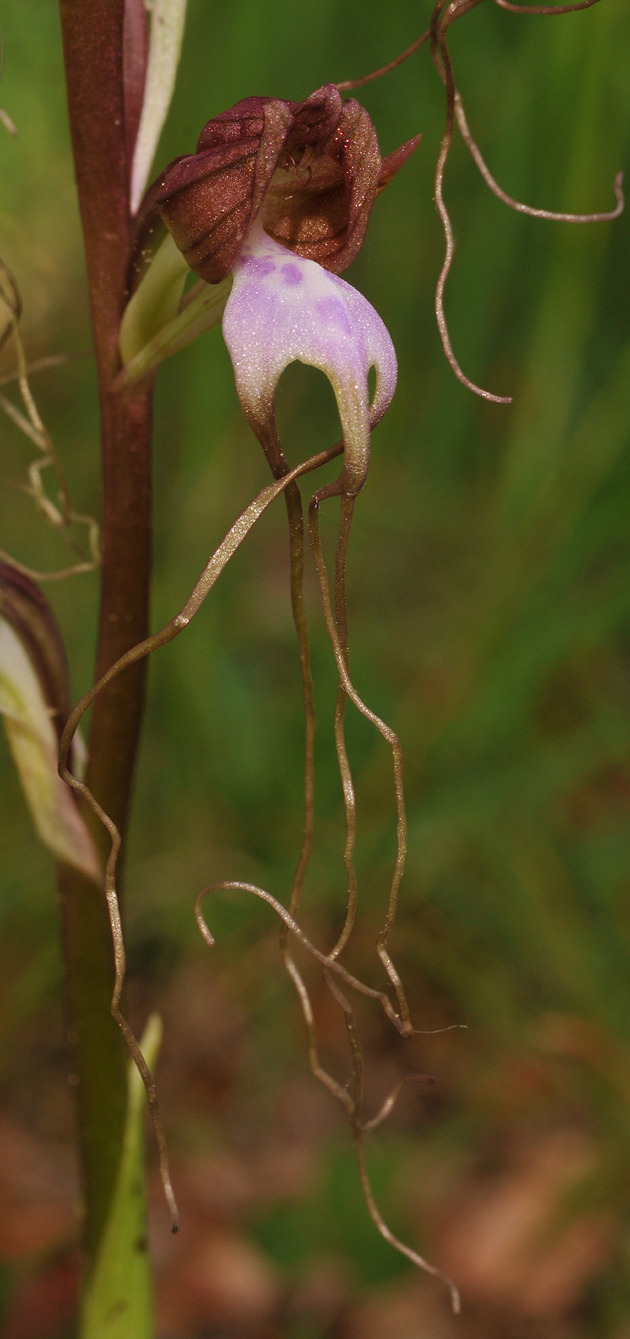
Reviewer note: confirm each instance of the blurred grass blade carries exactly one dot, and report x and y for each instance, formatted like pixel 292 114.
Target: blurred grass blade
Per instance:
pixel 119 1298
pixel 554 367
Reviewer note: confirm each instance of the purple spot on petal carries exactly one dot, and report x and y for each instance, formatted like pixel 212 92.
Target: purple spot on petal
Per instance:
pixel 257 268
pixel 292 275
pixel 333 311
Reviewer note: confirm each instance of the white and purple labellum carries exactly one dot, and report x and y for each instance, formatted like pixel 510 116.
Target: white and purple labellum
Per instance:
pixel 284 308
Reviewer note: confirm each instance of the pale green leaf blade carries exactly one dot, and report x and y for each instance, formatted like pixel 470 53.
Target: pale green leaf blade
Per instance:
pixel 200 314
pixel 33 744
pixel 119 1298
pixel 165 43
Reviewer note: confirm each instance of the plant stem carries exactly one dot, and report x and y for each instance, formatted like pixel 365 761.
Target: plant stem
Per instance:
pixel 93 51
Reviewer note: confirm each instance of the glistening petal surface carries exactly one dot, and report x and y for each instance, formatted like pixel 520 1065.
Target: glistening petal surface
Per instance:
pixel 284 308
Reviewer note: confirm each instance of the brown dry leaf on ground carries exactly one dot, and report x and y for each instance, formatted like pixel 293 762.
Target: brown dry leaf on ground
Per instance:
pixel 508 1243
pixel 203 1036
pixel 320 1300
pixel 409 1310
pixel 220 1279
pixel 522 1263
pixel 44 1306
pixel 38 1194
pixel 38 1228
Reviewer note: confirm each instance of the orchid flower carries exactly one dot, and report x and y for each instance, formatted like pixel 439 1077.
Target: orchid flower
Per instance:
pixel 278 195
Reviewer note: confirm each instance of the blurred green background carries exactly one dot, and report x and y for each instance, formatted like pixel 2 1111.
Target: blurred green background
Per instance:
pixel 489 602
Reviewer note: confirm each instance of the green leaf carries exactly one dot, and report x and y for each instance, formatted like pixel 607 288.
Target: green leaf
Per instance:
pixel 33 694
pixel 165 44
pixel 119 1297
pixel 155 301
pixel 203 310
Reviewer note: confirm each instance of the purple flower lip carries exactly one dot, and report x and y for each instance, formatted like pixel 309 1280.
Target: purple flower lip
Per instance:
pixel 284 308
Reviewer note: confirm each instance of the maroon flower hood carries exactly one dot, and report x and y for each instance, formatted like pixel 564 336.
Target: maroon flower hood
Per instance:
pixel 314 169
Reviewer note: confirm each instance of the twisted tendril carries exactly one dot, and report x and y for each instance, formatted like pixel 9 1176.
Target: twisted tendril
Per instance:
pixel 444 14
pixel 61 517
pixel 235 536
